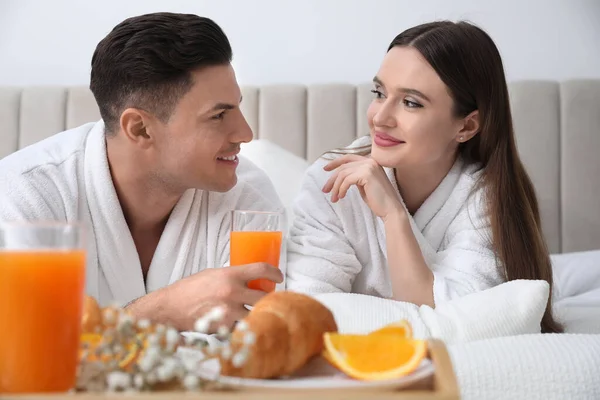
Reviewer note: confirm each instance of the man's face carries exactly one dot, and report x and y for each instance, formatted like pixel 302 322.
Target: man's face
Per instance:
pixel 198 146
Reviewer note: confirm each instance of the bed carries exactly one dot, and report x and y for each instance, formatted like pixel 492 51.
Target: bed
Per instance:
pixel 558 136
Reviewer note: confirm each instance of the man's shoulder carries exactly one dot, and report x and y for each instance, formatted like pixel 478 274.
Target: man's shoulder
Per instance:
pixel 35 180
pixel 48 153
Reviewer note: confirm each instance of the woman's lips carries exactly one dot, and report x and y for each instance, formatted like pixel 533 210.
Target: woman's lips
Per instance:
pixel 384 140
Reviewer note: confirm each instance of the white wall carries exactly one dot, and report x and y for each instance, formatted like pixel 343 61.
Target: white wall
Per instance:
pixel 303 41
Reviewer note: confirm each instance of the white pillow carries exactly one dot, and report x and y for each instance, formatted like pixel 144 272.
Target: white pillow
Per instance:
pixel 512 308
pixel 577 290
pixel 285 169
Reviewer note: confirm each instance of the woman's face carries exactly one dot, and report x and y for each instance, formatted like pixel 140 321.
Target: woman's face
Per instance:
pixel 411 119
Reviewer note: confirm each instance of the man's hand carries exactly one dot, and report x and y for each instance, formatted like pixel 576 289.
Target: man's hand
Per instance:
pixel 183 302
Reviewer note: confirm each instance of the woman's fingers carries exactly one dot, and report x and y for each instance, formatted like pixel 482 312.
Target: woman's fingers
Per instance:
pixel 342 160
pixel 329 184
pixel 351 179
pixel 341 177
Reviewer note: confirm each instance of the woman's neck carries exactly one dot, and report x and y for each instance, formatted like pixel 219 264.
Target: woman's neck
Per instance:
pixel 418 183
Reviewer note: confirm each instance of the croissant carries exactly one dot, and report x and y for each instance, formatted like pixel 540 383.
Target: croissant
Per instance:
pixel 288 329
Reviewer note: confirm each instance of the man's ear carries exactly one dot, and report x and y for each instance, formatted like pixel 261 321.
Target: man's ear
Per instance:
pixel 470 127
pixel 135 125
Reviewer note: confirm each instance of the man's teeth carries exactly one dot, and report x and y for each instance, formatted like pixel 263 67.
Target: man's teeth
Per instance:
pixel 232 158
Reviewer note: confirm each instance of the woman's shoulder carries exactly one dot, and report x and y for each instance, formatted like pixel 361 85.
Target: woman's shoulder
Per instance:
pixel 360 145
pixel 316 177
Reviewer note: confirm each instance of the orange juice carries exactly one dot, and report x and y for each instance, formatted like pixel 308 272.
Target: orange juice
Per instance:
pixel 249 247
pixel 41 300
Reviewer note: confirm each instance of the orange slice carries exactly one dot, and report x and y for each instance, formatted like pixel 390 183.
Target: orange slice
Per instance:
pixel 374 356
pixel 400 328
pixel 93 340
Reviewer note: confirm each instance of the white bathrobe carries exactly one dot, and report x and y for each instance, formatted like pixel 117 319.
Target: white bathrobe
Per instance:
pixel 66 178
pixel 341 247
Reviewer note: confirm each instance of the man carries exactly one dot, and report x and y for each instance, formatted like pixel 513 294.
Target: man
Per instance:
pixel 155 180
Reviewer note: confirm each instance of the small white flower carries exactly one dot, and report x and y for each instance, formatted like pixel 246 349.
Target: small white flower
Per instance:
pixel 160 329
pixel 153 354
pixel 223 331
pixel 151 378
pixel 180 370
pixel 117 380
pixel 241 326
pixel 109 316
pixel 249 338
pixel 172 336
pixel 138 381
pixel 226 352
pixel 202 325
pixel 189 340
pixel 145 364
pixel 213 348
pixel 125 320
pixel 191 382
pixel 216 314
pixel 191 363
pixel 153 340
pixel 239 359
pixel 143 324
pixel 165 373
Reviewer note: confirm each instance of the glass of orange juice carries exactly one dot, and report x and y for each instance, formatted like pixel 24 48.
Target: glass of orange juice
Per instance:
pixel 42 280
pixel 256 236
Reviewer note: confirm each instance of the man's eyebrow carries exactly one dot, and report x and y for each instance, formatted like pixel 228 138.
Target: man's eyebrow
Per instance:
pixel 378 81
pixel 416 92
pixel 224 106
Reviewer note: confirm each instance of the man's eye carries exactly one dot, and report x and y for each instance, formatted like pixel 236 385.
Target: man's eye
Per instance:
pixel 220 115
pixel 377 93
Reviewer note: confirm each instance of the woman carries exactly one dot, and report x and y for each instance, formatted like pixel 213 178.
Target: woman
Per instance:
pixel 435 203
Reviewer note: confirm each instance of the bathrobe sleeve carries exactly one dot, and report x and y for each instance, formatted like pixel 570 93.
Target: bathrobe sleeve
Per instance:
pixel 30 196
pixel 320 257
pixel 466 263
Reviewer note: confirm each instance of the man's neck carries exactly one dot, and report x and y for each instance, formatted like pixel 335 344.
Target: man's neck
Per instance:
pixel 146 206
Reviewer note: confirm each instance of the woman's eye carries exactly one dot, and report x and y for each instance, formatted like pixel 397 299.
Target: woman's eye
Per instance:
pixel 411 104
pixel 377 93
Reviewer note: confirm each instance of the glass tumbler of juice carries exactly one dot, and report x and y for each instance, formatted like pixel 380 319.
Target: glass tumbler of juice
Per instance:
pixel 256 237
pixel 42 280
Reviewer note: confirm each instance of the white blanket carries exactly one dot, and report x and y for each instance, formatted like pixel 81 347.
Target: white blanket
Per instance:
pixel 341 247
pixel 528 367
pixel 67 178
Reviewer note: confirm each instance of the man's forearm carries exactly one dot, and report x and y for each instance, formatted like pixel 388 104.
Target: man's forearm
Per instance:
pixel 151 306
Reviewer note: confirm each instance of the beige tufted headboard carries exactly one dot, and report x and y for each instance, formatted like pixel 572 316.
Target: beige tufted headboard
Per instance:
pixel 557 126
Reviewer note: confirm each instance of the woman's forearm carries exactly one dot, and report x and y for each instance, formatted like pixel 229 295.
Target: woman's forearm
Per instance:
pixel 412 280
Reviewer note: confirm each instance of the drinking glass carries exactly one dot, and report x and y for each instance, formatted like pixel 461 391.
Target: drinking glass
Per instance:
pixel 256 237
pixel 42 280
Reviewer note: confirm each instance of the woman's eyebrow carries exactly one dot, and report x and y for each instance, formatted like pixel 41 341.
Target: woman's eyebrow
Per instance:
pixel 416 92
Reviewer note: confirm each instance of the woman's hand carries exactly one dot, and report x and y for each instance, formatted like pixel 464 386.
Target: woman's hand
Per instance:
pixel 371 181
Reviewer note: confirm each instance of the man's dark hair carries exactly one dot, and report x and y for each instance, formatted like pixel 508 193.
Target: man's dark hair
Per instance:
pixel 146 62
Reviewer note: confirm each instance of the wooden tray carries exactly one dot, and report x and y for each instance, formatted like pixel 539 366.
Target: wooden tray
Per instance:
pixel 441 386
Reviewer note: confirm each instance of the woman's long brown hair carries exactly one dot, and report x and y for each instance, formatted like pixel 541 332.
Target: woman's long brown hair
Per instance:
pixel 468 62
